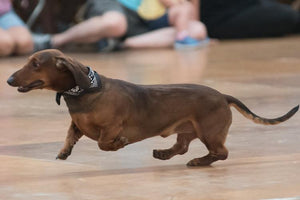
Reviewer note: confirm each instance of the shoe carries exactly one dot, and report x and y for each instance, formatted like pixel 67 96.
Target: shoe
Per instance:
pixel 189 43
pixel 109 45
pixel 41 41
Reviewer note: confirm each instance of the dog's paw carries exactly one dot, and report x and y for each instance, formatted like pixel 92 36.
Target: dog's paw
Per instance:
pixel 62 156
pixel 162 154
pixel 119 143
pixel 200 162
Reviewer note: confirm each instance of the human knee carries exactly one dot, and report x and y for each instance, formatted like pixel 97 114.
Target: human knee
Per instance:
pixel 115 22
pixel 197 30
pixel 22 40
pixel 6 45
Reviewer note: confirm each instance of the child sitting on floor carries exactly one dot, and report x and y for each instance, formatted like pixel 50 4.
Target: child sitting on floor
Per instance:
pixel 163 13
pixel 15 37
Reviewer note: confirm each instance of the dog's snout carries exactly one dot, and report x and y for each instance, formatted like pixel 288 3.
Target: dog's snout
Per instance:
pixel 11 81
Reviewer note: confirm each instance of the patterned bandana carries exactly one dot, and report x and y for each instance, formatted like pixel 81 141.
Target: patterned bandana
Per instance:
pixel 95 85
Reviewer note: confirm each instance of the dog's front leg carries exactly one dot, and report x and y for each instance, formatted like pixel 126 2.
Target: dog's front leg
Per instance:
pixel 110 139
pixel 74 134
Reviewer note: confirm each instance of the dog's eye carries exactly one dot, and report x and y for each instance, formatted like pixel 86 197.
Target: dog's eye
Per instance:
pixel 35 65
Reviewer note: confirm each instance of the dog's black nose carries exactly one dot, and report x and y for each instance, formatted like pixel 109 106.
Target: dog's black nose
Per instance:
pixel 10 81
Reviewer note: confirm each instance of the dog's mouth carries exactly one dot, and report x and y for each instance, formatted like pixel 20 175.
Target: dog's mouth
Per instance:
pixel 34 85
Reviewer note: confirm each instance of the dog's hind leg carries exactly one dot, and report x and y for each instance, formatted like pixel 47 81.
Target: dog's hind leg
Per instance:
pixel 219 153
pixel 216 148
pixel 74 134
pixel 180 147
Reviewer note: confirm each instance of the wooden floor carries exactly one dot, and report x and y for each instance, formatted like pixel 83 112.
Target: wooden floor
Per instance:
pixel 263 163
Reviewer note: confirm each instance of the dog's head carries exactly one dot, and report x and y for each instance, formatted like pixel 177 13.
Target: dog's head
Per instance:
pixel 50 69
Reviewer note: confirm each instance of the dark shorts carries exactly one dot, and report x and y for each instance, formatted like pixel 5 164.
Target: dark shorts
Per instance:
pixel 135 24
pixel 161 22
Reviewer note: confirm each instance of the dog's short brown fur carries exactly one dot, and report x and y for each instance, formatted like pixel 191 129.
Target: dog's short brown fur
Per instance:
pixel 121 113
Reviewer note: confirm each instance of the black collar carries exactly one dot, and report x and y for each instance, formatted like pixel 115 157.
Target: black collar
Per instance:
pixel 95 85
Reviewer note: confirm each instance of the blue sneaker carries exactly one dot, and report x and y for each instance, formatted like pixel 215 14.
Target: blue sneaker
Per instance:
pixel 189 43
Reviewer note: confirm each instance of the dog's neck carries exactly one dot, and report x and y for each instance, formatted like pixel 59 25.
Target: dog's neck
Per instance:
pixel 95 85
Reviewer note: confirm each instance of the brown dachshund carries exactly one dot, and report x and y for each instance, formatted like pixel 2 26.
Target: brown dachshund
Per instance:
pixel 116 113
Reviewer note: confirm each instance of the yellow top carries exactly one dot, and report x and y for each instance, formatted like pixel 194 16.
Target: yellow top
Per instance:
pixel 151 9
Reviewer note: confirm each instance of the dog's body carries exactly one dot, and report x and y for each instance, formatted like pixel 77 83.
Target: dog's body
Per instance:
pixel 116 113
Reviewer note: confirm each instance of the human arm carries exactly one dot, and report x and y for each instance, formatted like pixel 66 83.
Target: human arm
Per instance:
pixel 170 3
pixel 196 4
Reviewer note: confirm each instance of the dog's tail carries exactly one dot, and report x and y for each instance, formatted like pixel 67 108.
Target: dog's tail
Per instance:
pixel 237 104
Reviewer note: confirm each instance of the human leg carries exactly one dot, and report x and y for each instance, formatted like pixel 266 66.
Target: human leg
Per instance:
pixel 20 40
pixel 6 43
pixel 179 16
pixel 159 38
pixel 165 37
pixel 104 19
pixel 110 24
pixel 197 30
pixel 190 34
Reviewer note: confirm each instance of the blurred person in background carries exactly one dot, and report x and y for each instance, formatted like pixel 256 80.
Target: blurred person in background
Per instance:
pixel 102 19
pixel 107 22
pixel 15 38
pixel 228 19
pixel 186 32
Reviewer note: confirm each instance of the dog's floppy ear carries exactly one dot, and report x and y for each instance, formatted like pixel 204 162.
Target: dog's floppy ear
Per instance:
pixel 65 63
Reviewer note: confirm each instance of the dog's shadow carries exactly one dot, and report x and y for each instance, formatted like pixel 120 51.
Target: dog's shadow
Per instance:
pixel 47 152
pixel 141 170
